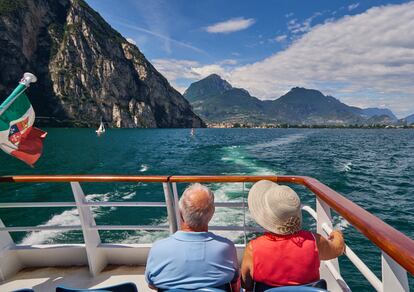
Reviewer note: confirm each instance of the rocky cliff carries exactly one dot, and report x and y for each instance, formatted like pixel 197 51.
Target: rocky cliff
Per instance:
pixel 86 69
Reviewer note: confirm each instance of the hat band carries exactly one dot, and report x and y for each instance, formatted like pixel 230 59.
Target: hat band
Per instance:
pixel 290 226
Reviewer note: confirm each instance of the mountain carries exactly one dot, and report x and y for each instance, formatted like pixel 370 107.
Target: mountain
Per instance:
pixel 409 119
pixel 215 100
pixel 374 111
pixel 86 69
pixel 234 105
pixel 311 107
pixel 212 85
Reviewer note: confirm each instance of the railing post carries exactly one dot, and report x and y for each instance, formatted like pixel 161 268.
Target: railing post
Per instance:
pixel 177 210
pixel 172 221
pixel 394 277
pixel 96 257
pixel 9 264
pixel 324 217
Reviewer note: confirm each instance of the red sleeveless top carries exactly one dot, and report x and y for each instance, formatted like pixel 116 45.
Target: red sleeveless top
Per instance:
pixel 282 260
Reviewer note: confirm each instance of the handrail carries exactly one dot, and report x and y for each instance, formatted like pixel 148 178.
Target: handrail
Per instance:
pixel 394 243
pixel 83 178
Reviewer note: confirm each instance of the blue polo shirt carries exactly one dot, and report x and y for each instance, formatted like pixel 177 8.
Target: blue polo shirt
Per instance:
pixel 191 260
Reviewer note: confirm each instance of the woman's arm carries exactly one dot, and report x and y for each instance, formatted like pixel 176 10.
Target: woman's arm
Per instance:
pixel 332 247
pixel 247 268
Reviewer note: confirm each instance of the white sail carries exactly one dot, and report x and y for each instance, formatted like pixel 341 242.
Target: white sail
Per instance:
pixel 101 129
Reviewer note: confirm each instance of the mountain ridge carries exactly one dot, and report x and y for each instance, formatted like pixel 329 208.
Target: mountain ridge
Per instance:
pixel 409 119
pixel 298 106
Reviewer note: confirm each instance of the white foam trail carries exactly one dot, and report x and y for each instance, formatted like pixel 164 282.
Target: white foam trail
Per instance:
pixel 341 224
pixel 98 197
pixel 347 166
pixel 233 155
pixel 68 217
pixel 281 141
pixel 144 236
pixel 129 196
pixel 228 216
pixel 144 168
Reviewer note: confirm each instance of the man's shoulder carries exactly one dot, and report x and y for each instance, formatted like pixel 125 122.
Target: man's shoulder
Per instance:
pixel 163 242
pixel 222 240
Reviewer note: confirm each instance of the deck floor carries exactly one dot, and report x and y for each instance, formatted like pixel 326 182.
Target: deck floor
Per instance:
pixel 47 279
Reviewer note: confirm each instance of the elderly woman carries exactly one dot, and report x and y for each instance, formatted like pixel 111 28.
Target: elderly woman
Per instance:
pixel 285 254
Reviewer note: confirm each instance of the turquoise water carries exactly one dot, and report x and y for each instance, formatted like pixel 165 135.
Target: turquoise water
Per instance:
pixel 374 168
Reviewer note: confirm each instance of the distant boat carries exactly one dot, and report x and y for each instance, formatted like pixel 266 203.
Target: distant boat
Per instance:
pixel 101 129
pixel 192 132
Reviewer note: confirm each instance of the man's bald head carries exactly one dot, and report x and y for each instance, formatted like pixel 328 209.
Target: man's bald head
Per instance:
pixel 197 206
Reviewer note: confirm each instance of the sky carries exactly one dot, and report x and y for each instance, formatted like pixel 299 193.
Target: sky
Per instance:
pixel 361 52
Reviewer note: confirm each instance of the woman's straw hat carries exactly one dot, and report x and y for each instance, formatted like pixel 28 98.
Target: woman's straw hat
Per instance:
pixel 275 207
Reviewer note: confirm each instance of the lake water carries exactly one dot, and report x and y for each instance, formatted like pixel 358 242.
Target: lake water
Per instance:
pixel 373 168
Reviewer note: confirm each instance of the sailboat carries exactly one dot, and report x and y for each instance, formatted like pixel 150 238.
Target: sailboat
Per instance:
pixel 101 129
pixel 192 132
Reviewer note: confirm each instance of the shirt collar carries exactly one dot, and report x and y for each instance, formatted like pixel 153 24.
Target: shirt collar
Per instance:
pixel 193 236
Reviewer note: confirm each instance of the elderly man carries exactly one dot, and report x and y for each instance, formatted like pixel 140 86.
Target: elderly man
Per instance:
pixel 193 258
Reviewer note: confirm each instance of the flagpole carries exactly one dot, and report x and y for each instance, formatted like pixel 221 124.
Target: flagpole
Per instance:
pixel 23 85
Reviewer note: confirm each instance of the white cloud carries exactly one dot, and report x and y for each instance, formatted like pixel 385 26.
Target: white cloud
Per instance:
pixel 228 62
pixel 281 38
pixel 353 6
pixel 175 70
pixel 372 52
pixel 178 70
pixel 231 25
pixel 296 27
pixel 131 41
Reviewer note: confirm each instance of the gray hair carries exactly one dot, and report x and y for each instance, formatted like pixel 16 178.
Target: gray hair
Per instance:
pixel 196 216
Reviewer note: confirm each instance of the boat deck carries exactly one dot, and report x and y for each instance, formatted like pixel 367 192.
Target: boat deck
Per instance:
pixel 47 279
pixel 114 263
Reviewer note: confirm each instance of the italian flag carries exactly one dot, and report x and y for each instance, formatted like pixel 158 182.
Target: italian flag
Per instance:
pixel 18 137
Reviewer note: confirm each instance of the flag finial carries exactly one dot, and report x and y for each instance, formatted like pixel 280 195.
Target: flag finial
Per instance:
pixel 28 78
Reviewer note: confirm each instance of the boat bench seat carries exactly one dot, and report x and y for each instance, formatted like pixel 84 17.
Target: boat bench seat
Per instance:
pixel 316 286
pixel 124 287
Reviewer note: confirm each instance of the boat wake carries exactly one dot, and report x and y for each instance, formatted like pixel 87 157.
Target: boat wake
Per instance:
pixel 285 140
pixel 340 223
pixel 68 217
pixel 346 167
pixel 237 156
pixel 143 168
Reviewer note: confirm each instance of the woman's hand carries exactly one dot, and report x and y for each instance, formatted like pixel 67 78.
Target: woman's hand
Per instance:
pixel 332 247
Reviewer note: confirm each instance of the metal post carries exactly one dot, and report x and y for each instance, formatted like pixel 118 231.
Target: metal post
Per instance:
pixel 172 221
pixel 323 213
pixel 394 277
pixel 244 215
pixel 96 258
pixel 9 264
pixel 177 210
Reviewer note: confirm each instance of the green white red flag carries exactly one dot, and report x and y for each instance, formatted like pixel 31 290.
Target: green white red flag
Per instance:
pixel 18 137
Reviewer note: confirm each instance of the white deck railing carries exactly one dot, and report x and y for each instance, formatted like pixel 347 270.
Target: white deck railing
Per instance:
pixel 97 255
